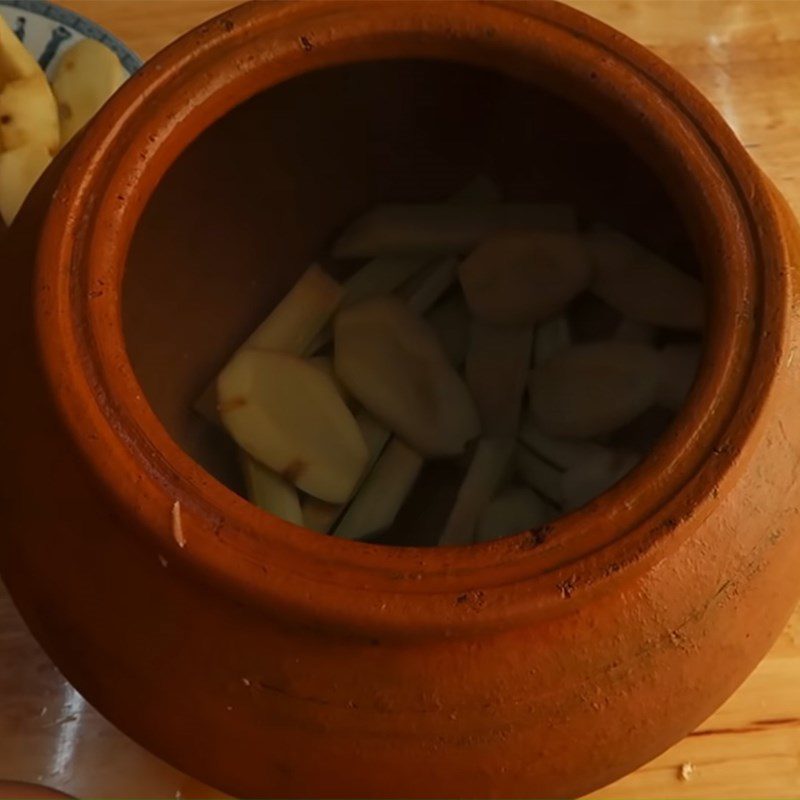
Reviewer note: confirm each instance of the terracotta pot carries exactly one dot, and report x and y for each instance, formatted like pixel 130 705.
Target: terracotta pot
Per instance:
pixel 272 661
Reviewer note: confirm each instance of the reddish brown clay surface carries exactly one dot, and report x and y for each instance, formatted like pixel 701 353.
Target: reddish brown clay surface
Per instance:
pixel 271 661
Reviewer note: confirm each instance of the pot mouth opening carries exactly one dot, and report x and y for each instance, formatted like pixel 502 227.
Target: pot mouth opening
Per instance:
pixel 182 94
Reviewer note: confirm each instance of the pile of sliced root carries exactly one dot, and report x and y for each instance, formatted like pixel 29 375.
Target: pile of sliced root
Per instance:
pixel 38 118
pixel 476 329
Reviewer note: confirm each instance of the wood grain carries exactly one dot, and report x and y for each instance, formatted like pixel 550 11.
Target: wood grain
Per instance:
pixel 745 56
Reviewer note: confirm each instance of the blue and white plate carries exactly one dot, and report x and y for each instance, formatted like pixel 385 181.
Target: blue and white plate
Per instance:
pixel 47 30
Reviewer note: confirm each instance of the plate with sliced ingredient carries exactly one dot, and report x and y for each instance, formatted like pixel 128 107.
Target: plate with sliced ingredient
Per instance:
pixel 534 354
pixel 57 69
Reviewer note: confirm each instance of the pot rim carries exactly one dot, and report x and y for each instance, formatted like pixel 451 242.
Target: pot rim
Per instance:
pixel 377 590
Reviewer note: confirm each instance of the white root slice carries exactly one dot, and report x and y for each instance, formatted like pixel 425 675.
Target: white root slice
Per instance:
pixel 451 321
pixel 289 415
pixel 381 275
pixel 631 330
pixel 496 370
pixel 325 363
pixel 375 434
pixel 19 170
pixel 514 510
pixel 302 313
pixel 318 515
pixel 640 284
pixel 561 453
pixel 85 77
pixel 321 516
pixel 28 114
pixel 290 327
pixel 593 476
pixel 522 277
pixel 428 229
pixel 385 274
pixel 593 389
pixel 392 363
pixel 270 492
pixel 539 474
pixel 551 337
pixel 15 61
pixel 425 293
pixel 485 473
pixel 432 285
pixel 383 492
pixel 679 363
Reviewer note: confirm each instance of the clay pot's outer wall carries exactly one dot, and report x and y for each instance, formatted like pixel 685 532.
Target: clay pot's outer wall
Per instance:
pixel 270 661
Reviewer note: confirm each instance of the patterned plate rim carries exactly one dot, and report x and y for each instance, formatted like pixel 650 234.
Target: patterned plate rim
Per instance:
pixel 90 29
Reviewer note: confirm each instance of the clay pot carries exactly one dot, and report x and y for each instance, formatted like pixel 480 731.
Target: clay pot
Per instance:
pixel 272 661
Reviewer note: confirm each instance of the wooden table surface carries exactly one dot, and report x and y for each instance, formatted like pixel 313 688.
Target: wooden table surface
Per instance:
pixel 745 56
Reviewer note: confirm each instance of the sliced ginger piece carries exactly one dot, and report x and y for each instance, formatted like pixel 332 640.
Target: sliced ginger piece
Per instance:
pixel 381 275
pixel 392 363
pixel 433 283
pixel 486 471
pixel 383 492
pixel 539 474
pixel 15 61
pixel 451 321
pixel 28 114
pixel 561 453
pixel 85 77
pixel 270 492
pixel 325 363
pixel 385 274
pixel 551 337
pixel 321 516
pixel 640 284
pixel 291 327
pixel 288 415
pixel 522 277
pixel 302 313
pixel 496 370
pixel 593 389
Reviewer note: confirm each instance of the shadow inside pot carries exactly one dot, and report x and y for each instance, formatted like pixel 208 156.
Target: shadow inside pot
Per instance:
pixel 262 193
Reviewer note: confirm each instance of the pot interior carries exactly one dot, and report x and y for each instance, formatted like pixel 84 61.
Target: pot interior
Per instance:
pixel 262 193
